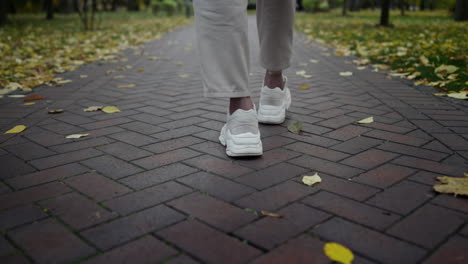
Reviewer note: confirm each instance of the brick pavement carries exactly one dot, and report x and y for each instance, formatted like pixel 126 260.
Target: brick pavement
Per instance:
pixel 153 185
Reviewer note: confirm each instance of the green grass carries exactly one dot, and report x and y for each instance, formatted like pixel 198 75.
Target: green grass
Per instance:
pixel 404 48
pixel 34 49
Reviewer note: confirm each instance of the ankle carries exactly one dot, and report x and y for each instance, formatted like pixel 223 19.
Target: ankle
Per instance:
pixel 244 103
pixel 274 79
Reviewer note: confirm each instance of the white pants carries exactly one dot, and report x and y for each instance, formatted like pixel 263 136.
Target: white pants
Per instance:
pixel 222 38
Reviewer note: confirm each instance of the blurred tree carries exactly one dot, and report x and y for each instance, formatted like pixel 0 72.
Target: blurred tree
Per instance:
pixel 3 12
pixel 461 10
pixel 354 5
pixel 402 6
pixel 49 7
pixel 384 15
pixel 345 7
pixel 132 5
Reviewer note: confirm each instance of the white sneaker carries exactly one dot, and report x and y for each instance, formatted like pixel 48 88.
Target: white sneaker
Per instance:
pixel 240 134
pixel 273 104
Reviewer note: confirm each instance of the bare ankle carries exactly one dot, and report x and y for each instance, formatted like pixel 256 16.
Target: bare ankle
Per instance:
pixel 274 79
pixel 244 103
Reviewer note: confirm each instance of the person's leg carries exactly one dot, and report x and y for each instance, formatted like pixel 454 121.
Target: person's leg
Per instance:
pixel 222 37
pixel 275 22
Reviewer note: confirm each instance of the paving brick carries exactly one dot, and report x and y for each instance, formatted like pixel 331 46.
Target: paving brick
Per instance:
pixel 316 151
pixel 82 144
pixel 428 165
pixel 369 159
pixel 218 166
pixel 212 148
pixel 4 188
pixel 15 259
pixel 106 123
pixel 214 212
pixel 97 186
pixel 208 244
pixel 275 197
pixel 65 158
pixel 453 141
pixel 127 228
pixel 182 259
pixel 143 250
pixel 452 202
pixel 423 226
pixel 269 232
pixel 183 122
pixel 76 210
pixel 347 132
pixel 104 131
pixel 178 132
pixel 142 128
pixel 355 211
pixel 73 119
pixel 326 166
pixel 413 151
pixel 49 236
pixel 149 118
pixel 15 167
pixel 338 121
pixel 19 216
pixel 29 151
pixel 5 247
pixel 124 151
pixel 148 197
pixel 133 138
pixel 367 242
pixel 454 251
pixel 173 144
pixel 159 175
pixel 270 176
pixel 45 176
pixel 402 197
pixel 347 188
pixel 312 139
pixel 384 176
pixel 216 186
pixel 111 167
pixel 33 194
pixel 356 145
pixel 303 249
pixel 166 158
pixel 275 142
pixel 268 158
pixel 395 137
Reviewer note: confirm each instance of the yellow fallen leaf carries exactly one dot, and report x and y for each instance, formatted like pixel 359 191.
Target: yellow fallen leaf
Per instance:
pixel 183 75
pixel 93 108
pixel 266 213
pixel 439 94
pixel 444 69
pixel 83 76
pixel 313 61
pixel 296 127
pixel 30 103
pixel 110 109
pixel 55 111
pixel 16 95
pixel 311 180
pixel 77 135
pixel 126 85
pixel 303 87
pixel 348 73
pixel 424 60
pixel 361 68
pixel 458 95
pixel 455 185
pixel 140 70
pixel 367 120
pixel 16 129
pixel 338 253
pixel 119 76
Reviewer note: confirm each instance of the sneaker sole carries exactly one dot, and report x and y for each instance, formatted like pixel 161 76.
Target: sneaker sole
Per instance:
pixel 274 119
pixel 239 150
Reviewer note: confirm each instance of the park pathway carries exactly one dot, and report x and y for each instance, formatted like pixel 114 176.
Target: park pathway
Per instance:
pixel 151 184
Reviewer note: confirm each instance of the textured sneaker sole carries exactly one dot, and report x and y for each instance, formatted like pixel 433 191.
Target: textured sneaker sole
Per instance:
pixel 266 118
pixel 245 145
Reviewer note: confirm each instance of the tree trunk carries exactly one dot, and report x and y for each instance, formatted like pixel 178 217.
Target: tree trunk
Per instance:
pixel 384 15
pixel 355 5
pixel 49 6
pixel 132 5
pixel 345 7
pixel 461 10
pixel 4 11
pixel 402 5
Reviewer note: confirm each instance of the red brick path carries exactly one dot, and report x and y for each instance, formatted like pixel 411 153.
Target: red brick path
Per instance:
pixel 153 185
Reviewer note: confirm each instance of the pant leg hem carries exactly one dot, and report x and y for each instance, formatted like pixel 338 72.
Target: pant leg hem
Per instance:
pixel 226 94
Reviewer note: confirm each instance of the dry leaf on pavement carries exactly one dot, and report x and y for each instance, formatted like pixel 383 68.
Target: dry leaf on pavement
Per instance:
pixel 338 253
pixel 126 85
pixel 33 97
pixel 93 108
pixel 455 185
pixel 266 213
pixel 304 87
pixel 367 120
pixel 296 127
pixel 77 135
pixel 311 180
pixel 55 111
pixel 16 129
pixel 110 109
pixel 348 73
